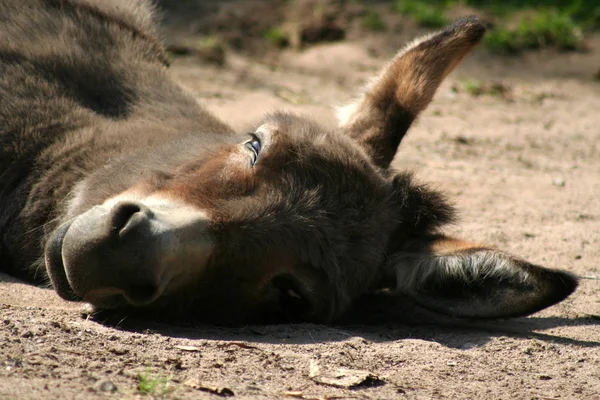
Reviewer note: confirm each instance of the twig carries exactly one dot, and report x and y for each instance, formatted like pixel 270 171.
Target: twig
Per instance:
pixel 590 277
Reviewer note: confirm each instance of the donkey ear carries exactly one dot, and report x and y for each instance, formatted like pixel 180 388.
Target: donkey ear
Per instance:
pixel 380 117
pixel 466 280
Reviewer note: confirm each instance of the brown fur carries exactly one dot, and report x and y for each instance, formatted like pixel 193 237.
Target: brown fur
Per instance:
pixel 405 87
pixel 124 192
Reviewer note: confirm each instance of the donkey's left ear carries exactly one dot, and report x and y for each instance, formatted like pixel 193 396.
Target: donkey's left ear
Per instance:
pixel 462 279
pixel 380 117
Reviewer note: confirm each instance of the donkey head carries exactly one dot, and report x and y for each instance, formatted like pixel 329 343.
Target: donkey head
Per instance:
pixel 295 221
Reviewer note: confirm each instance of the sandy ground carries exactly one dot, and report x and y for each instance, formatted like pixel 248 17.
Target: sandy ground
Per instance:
pixel 523 168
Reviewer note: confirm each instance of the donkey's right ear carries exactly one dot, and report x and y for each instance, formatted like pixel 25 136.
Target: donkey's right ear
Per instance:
pixel 380 117
pixel 466 280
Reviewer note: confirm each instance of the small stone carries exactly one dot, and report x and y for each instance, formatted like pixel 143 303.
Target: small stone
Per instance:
pixel 107 386
pixel 558 182
pixel 451 363
pixel 451 95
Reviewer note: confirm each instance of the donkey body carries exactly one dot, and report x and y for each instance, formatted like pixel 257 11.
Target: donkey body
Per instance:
pixel 118 188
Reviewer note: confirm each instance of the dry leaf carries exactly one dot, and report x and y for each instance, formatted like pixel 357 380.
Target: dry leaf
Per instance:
pixel 291 97
pixel 237 344
pixel 301 395
pixel 188 348
pixel 313 369
pixel 343 377
pixel 214 389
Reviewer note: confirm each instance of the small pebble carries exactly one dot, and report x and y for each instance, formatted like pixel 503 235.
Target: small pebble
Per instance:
pixel 107 386
pixel 558 182
pixel 451 95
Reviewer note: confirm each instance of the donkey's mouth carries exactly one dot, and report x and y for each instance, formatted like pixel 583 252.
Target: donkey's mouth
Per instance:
pixel 55 265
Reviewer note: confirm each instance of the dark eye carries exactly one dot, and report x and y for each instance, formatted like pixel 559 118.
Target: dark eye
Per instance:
pixel 254 145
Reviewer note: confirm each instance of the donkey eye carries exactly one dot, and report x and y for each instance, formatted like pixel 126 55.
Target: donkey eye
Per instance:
pixel 254 145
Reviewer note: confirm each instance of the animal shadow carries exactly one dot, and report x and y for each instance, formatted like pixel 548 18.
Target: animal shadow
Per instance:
pixel 377 318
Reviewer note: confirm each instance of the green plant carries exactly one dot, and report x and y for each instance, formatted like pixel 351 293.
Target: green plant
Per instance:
pixel 585 13
pixel 502 40
pixel 429 15
pixel 372 21
pixel 551 27
pixel 474 87
pixel 155 386
pixel 536 29
pixel 490 88
pixel 520 24
pixel 276 36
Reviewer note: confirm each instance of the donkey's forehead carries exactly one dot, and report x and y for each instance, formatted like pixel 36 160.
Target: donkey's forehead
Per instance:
pixel 286 131
pixel 283 124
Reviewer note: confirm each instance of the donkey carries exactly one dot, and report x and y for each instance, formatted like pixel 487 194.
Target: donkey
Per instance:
pixel 118 188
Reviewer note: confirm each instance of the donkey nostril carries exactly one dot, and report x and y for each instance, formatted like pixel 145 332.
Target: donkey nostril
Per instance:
pixel 140 295
pixel 124 215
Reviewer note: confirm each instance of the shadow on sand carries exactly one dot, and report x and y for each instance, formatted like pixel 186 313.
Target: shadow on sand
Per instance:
pixel 376 319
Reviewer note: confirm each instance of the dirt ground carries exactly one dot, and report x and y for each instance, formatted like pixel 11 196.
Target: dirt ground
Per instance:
pixel 516 143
